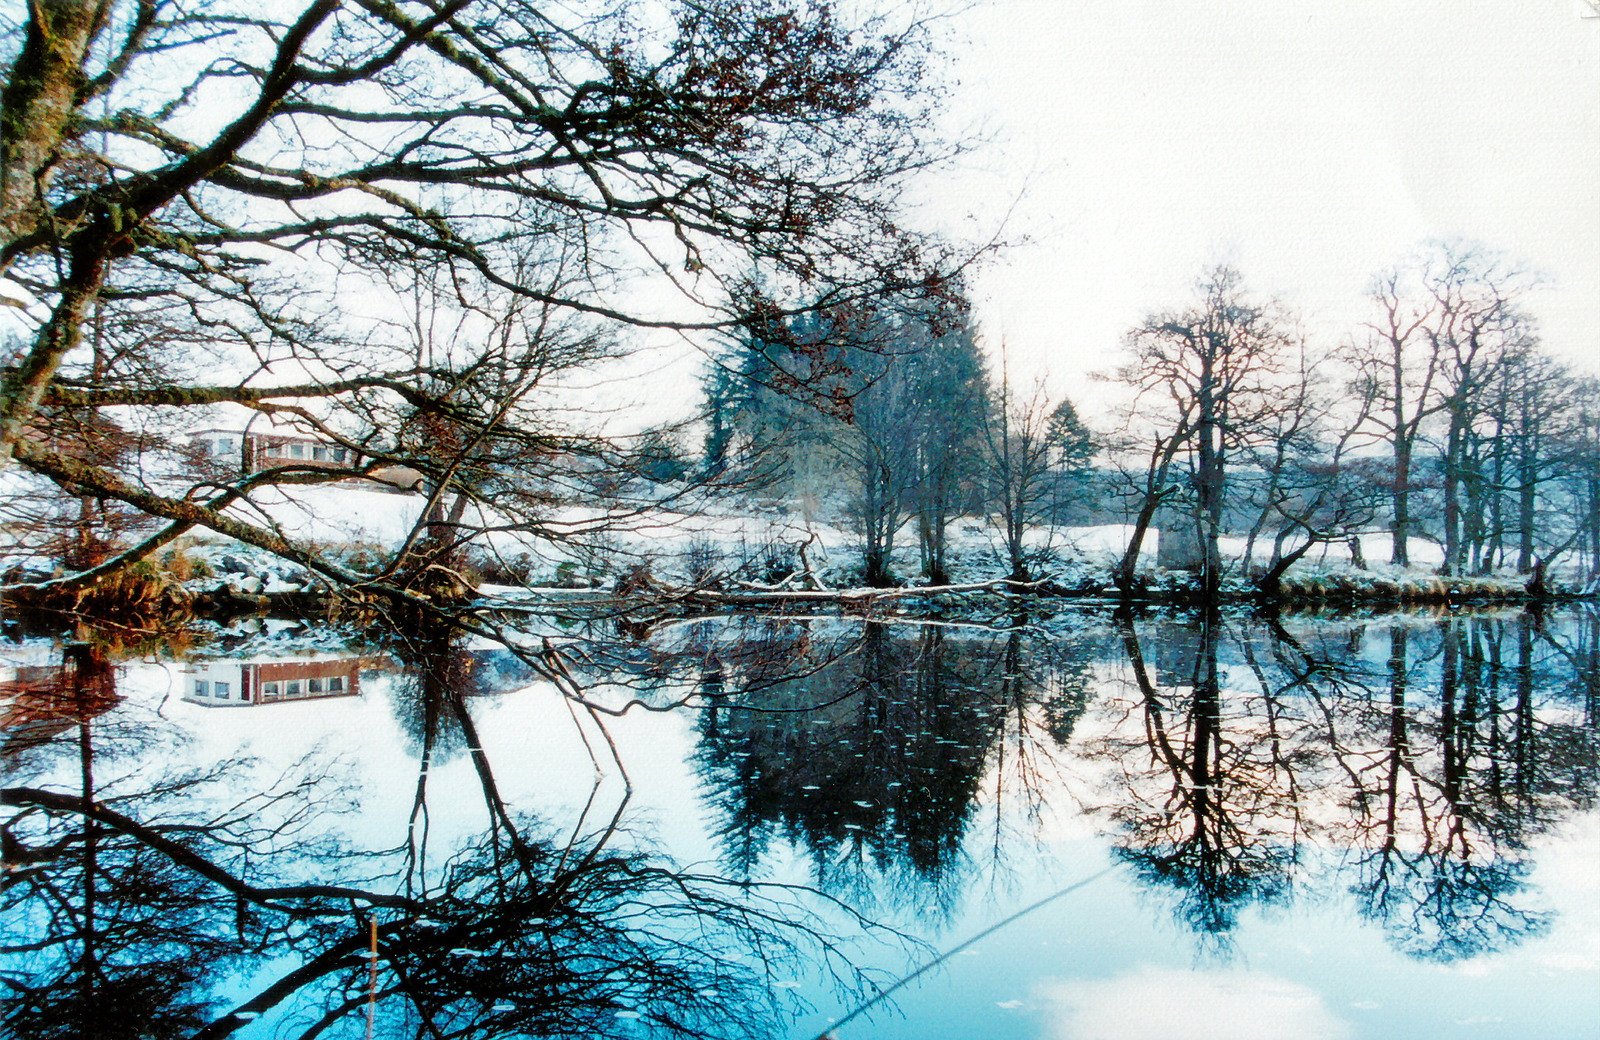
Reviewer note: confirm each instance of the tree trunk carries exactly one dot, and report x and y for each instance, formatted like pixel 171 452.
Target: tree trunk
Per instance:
pixel 1154 494
pixel 1209 486
pixel 1452 499
pixel 1527 488
pixel 932 521
pixel 1016 533
pixel 1129 564
pixel 1271 583
pixel 1594 527
pixel 1400 554
pixel 40 103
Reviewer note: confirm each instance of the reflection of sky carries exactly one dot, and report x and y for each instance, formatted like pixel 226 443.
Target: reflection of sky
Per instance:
pixel 1105 962
pixel 1105 965
pixel 1150 1003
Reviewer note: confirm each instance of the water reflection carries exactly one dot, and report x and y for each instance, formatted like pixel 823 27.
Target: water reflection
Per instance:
pixel 876 756
pixel 196 901
pixel 40 702
pixel 1206 794
pixel 1409 765
pixel 267 680
pixel 872 760
pixel 107 919
pixel 1230 763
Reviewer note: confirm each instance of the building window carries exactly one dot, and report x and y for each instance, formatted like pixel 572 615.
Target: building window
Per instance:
pixel 319 453
pixel 291 688
pixel 219 691
pixel 313 685
pixel 202 688
pixel 297 451
pixel 336 684
pixel 269 691
pixel 337 454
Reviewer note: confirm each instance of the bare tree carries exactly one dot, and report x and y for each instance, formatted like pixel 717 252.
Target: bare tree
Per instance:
pixel 1477 325
pixel 1212 372
pixel 1311 488
pixel 1028 442
pixel 1398 372
pixel 1580 473
pixel 1143 454
pixel 1444 319
pixel 229 183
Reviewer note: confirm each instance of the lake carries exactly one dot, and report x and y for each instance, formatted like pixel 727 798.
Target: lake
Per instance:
pixel 1064 825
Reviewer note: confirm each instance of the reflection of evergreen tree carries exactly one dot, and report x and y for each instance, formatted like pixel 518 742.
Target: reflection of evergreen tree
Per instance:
pixel 875 758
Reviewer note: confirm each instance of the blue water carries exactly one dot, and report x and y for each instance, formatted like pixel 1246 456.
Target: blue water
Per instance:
pixel 1331 828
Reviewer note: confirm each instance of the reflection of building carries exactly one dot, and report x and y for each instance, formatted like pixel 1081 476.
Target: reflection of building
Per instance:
pixel 37 702
pixel 222 682
pixel 1174 656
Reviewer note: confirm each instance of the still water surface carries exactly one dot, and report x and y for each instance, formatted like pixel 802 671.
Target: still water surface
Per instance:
pixel 1072 827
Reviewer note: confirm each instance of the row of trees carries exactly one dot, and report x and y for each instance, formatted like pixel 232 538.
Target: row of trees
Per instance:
pixel 1441 418
pixel 896 414
pixel 409 229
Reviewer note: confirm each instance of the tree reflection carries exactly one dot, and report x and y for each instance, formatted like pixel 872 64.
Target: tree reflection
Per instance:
pixel 874 763
pixel 874 758
pixel 1204 801
pixel 1414 762
pixel 122 904
pixel 1421 775
pixel 1236 763
pixel 131 911
pixel 1044 681
pixel 1456 787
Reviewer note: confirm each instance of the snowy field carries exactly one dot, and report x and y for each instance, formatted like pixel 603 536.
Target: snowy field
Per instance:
pixel 760 540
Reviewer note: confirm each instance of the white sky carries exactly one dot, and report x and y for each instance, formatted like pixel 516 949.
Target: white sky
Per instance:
pixel 1310 144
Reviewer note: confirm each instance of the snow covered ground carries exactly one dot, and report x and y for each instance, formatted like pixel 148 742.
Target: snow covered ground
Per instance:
pixel 755 540
pixel 749 539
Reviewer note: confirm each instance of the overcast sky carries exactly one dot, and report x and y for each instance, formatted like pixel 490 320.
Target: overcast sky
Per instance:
pixel 1309 144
